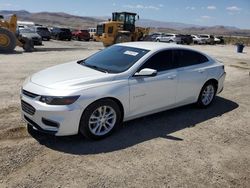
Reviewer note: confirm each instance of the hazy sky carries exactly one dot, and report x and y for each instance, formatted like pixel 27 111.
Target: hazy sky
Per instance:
pixel 200 12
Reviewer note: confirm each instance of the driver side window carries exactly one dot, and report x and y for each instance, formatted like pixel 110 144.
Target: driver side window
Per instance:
pixel 161 61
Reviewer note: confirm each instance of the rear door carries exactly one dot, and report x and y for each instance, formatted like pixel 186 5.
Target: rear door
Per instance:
pixel 191 74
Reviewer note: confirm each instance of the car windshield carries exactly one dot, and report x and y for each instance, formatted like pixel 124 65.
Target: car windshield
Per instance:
pixel 42 28
pixel 114 59
pixel 65 30
pixel 26 31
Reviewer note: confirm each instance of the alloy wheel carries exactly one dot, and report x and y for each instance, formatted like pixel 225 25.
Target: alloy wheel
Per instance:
pixel 102 120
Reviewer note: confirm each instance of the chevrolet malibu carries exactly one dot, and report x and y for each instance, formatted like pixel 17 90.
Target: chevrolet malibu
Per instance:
pixel 93 96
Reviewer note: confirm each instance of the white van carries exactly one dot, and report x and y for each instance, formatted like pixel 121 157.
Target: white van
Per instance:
pixel 92 32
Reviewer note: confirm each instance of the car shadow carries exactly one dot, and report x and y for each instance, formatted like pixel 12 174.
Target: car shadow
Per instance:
pixel 11 53
pixel 137 131
pixel 57 49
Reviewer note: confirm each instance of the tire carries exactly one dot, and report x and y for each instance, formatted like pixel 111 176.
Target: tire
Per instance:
pixel 100 127
pixel 122 38
pixel 158 40
pixel 207 94
pixel 28 45
pixel 7 41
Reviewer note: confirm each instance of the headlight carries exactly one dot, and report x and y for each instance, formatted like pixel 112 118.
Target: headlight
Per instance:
pixel 59 100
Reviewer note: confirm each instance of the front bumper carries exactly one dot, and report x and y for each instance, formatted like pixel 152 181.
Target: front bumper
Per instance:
pixel 59 120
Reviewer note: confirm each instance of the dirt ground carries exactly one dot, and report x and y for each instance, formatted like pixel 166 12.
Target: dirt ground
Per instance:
pixel 184 147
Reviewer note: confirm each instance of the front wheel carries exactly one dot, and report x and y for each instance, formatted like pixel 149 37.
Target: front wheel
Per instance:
pixel 207 95
pixel 100 119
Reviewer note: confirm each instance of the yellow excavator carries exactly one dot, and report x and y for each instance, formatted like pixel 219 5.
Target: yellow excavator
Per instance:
pixel 9 38
pixel 120 29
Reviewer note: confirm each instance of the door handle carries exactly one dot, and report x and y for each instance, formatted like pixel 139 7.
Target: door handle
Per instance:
pixel 171 77
pixel 201 70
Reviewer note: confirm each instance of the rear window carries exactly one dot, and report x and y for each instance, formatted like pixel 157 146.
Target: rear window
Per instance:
pixel 115 59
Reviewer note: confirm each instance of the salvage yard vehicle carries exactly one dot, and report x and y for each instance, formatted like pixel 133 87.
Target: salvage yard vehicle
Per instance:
pixel 31 35
pixel 208 38
pixel 8 38
pixel 95 95
pixel 186 39
pixel 61 33
pixel 92 32
pixel 43 32
pixel 169 37
pixel 120 29
pixel 198 40
pixel 81 35
pixel 152 36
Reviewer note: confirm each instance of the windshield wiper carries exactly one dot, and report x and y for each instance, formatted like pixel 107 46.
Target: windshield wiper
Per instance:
pixel 82 62
pixel 97 68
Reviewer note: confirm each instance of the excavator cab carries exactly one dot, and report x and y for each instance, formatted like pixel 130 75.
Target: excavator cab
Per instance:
pixel 127 18
pixel 120 29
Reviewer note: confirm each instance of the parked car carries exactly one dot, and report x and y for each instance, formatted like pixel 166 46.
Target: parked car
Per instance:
pixel 81 35
pixel 152 36
pixel 43 32
pixel 61 33
pixel 208 38
pixel 186 39
pixel 92 32
pixel 219 40
pixel 30 34
pixel 198 40
pixel 95 95
pixel 169 38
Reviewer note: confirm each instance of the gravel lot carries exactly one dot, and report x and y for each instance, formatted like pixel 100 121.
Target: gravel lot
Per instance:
pixel 184 147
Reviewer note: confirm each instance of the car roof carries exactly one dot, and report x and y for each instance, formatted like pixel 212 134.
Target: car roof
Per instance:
pixel 152 46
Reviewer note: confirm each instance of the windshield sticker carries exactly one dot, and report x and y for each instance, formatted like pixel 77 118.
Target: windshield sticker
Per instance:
pixel 131 53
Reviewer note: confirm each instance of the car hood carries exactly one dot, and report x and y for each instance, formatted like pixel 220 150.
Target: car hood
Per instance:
pixel 30 35
pixel 70 76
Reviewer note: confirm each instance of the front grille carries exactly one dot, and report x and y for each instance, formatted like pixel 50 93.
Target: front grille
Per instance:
pixel 27 108
pixel 29 94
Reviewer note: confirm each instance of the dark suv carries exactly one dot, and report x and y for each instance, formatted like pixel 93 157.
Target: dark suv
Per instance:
pixel 61 33
pixel 43 32
pixel 186 39
pixel 81 35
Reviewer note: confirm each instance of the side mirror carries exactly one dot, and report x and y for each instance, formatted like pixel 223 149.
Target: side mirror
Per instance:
pixel 146 72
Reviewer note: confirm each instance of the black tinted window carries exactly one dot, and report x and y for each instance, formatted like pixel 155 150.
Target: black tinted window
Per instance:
pixel 161 61
pixel 184 58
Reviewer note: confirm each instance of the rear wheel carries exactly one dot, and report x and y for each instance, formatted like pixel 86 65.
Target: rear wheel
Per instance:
pixel 100 119
pixel 7 41
pixel 207 95
pixel 122 38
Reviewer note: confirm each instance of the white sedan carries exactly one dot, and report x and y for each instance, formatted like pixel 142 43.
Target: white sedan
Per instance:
pixel 95 95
